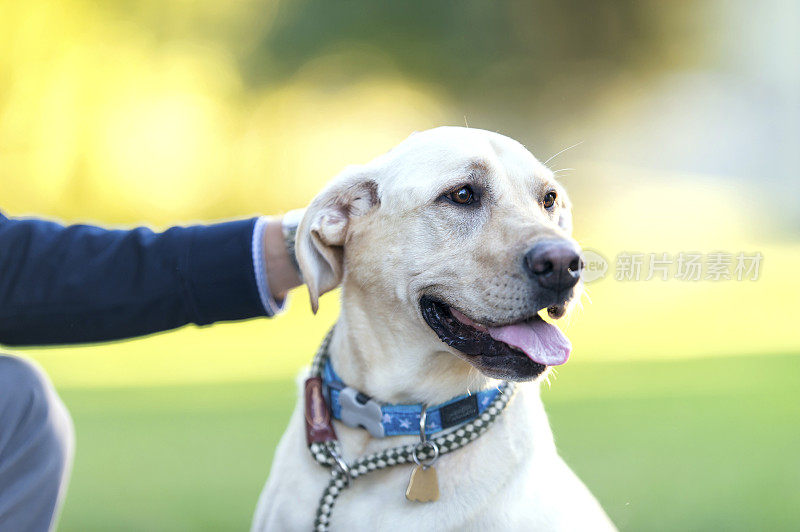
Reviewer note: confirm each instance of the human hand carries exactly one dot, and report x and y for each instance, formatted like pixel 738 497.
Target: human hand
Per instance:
pixel 282 272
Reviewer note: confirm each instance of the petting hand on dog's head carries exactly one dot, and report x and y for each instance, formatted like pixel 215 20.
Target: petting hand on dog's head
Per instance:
pixel 280 264
pixel 153 281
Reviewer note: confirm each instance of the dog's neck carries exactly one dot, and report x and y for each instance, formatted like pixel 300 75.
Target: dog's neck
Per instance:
pixel 386 351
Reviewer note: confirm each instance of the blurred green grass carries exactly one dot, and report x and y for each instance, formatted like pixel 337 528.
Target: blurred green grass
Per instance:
pixel 701 444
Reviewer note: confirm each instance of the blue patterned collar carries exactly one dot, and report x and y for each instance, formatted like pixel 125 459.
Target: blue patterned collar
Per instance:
pixel 356 409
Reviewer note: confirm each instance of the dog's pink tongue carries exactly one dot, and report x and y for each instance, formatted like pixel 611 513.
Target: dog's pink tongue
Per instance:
pixel 542 342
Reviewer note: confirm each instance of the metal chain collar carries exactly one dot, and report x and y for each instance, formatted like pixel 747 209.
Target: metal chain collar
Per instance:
pixel 329 453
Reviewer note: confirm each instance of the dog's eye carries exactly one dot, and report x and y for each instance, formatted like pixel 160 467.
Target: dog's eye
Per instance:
pixel 462 195
pixel 549 200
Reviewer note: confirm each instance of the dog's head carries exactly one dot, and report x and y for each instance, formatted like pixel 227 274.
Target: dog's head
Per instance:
pixel 456 237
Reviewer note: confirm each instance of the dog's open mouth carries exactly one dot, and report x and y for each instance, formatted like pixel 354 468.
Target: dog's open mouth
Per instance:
pixel 517 351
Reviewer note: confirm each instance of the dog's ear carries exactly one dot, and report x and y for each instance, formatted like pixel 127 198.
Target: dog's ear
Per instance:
pixel 323 230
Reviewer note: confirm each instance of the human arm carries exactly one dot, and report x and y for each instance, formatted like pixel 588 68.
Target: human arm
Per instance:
pixel 74 284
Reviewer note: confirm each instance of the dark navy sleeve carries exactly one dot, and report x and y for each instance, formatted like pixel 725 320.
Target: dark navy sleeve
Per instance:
pixel 81 283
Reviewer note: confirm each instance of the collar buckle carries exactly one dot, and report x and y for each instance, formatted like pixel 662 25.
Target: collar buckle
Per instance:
pixel 359 410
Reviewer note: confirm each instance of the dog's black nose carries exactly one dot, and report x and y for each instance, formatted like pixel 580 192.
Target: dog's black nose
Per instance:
pixel 555 264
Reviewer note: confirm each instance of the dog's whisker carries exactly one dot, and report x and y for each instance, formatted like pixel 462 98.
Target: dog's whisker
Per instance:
pixel 585 293
pixel 474 376
pixel 562 151
pixel 568 317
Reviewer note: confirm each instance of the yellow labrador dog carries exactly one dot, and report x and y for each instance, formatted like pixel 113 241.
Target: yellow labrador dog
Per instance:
pixel 446 249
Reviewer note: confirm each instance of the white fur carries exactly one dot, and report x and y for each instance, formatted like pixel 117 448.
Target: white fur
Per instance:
pixel 381 231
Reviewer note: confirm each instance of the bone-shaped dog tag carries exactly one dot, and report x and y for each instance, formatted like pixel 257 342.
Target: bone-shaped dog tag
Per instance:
pixel 423 485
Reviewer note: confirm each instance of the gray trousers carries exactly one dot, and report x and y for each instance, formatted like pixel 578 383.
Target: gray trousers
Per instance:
pixel 36 448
